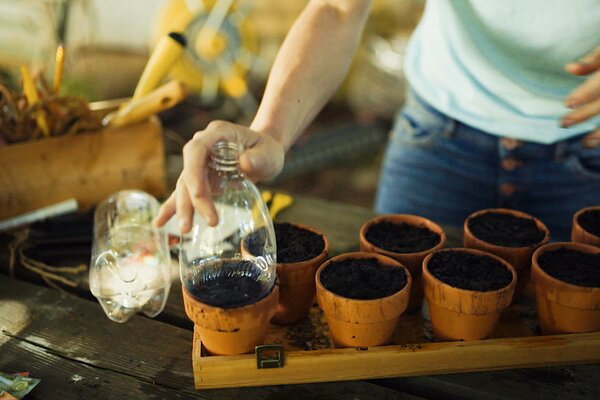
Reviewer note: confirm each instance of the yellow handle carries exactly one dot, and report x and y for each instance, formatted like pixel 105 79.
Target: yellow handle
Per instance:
pixel 138 110
pixel 280 202
pixel 32 98
pixel 168 50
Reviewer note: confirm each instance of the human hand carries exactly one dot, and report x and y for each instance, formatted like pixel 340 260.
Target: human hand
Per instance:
pixel 261 159
pixel 585 99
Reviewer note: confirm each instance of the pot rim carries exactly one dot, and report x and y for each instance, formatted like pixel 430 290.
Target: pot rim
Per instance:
pixel 395 218
pixel 304 263
pixel 540 225
pixel 361 255
pixel 585 248
pixel 507 288
pixel 579 213
pixel 274 291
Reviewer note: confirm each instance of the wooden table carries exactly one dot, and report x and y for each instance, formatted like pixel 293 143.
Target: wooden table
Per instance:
pixel 66 340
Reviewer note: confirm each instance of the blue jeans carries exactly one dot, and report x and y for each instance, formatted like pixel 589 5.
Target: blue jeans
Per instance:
pixel 444 170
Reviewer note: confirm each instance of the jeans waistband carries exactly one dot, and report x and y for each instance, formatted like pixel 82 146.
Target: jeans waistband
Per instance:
pixel 419 108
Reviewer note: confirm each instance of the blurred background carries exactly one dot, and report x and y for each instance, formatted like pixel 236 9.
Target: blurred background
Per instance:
pixel 108 42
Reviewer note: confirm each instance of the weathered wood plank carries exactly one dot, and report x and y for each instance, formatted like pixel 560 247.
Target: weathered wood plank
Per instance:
pixel 57 336
pixel 580 382
pixel 64 378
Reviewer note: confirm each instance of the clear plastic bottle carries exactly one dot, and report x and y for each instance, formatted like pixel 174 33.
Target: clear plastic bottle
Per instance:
pixel 130 271
pixel 215 267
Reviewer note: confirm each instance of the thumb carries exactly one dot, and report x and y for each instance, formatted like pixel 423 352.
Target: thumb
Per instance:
pixel 264 160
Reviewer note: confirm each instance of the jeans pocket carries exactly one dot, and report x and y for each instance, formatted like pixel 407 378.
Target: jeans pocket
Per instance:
pixel 420 124
pixel 585 162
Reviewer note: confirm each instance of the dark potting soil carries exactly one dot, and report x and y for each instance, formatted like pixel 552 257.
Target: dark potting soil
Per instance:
pixel 571 266
pixel 226 284
pixel 469 271
pixel 506 230
pixel 295 244
pixel 590 221
pixel 363 279
pixel 401 238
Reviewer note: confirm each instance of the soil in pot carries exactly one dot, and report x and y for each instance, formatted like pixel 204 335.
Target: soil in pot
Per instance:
pixel 469 271
pixel 401 238
pixel 295 244
pixel 227 284
pixel 508 230
pixel 571 266
pixel 590 221
pixel 363 278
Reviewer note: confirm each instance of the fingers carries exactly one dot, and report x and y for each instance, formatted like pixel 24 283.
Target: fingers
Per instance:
pixel 586 92
pixel 194 177
pixel 185 211
pixel 582 113
pixel 586 65
pixel 165 212
pixel 585 99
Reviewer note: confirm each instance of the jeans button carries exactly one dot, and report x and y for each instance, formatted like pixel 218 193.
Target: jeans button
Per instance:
pixel 507 189
pixel 510 164
pixel 510 144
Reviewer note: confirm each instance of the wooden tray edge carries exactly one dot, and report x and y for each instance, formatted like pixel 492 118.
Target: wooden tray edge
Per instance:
pixel 396 360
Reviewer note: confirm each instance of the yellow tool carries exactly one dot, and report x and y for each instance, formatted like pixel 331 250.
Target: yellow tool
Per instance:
pixel 32 98
pixel 221 47
pixel 276 202
pixel 157 100
pixel 168 50
pixel 280 202
pixel 59 67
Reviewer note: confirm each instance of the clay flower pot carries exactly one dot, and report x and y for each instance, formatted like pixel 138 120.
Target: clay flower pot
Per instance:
pixel 461 314
pixel 518 256
pixel 564 307
pixel 362 323
pixel 297 284
pixel 586 226
pixel 413 260
pixel 229 331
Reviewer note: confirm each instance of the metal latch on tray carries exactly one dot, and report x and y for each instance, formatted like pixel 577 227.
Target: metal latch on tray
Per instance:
pixel 269 356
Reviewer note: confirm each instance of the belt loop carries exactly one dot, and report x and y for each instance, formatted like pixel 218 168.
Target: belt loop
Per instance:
pixel 560 150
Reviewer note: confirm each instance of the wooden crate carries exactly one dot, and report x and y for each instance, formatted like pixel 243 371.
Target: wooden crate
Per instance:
pixel 88 167
pixel 310 357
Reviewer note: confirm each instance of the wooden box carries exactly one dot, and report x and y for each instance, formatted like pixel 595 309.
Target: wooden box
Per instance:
pixel 303 353
pixel 88 167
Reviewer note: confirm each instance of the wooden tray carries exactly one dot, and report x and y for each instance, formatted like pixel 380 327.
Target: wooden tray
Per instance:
pixel 308 355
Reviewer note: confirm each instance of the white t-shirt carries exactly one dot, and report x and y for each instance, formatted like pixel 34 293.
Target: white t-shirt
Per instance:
pixel 498 65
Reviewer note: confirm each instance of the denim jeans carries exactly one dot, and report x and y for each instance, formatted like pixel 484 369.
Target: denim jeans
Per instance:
pixel 444 170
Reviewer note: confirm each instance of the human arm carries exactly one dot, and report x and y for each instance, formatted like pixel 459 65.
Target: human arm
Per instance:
pixel 309 67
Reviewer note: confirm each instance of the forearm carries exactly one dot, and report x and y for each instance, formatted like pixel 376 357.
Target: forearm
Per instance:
pixel 310 66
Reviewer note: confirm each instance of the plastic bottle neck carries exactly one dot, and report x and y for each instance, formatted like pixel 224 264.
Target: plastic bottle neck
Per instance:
pixel 225 156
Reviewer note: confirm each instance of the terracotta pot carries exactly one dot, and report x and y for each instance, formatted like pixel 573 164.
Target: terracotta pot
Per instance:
pixel 518 257
pixel 233 330
pixel 563 307
pixel 297 285
pixel 412 261
pixel 362 323
pixel 579 234
pixel 459 314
